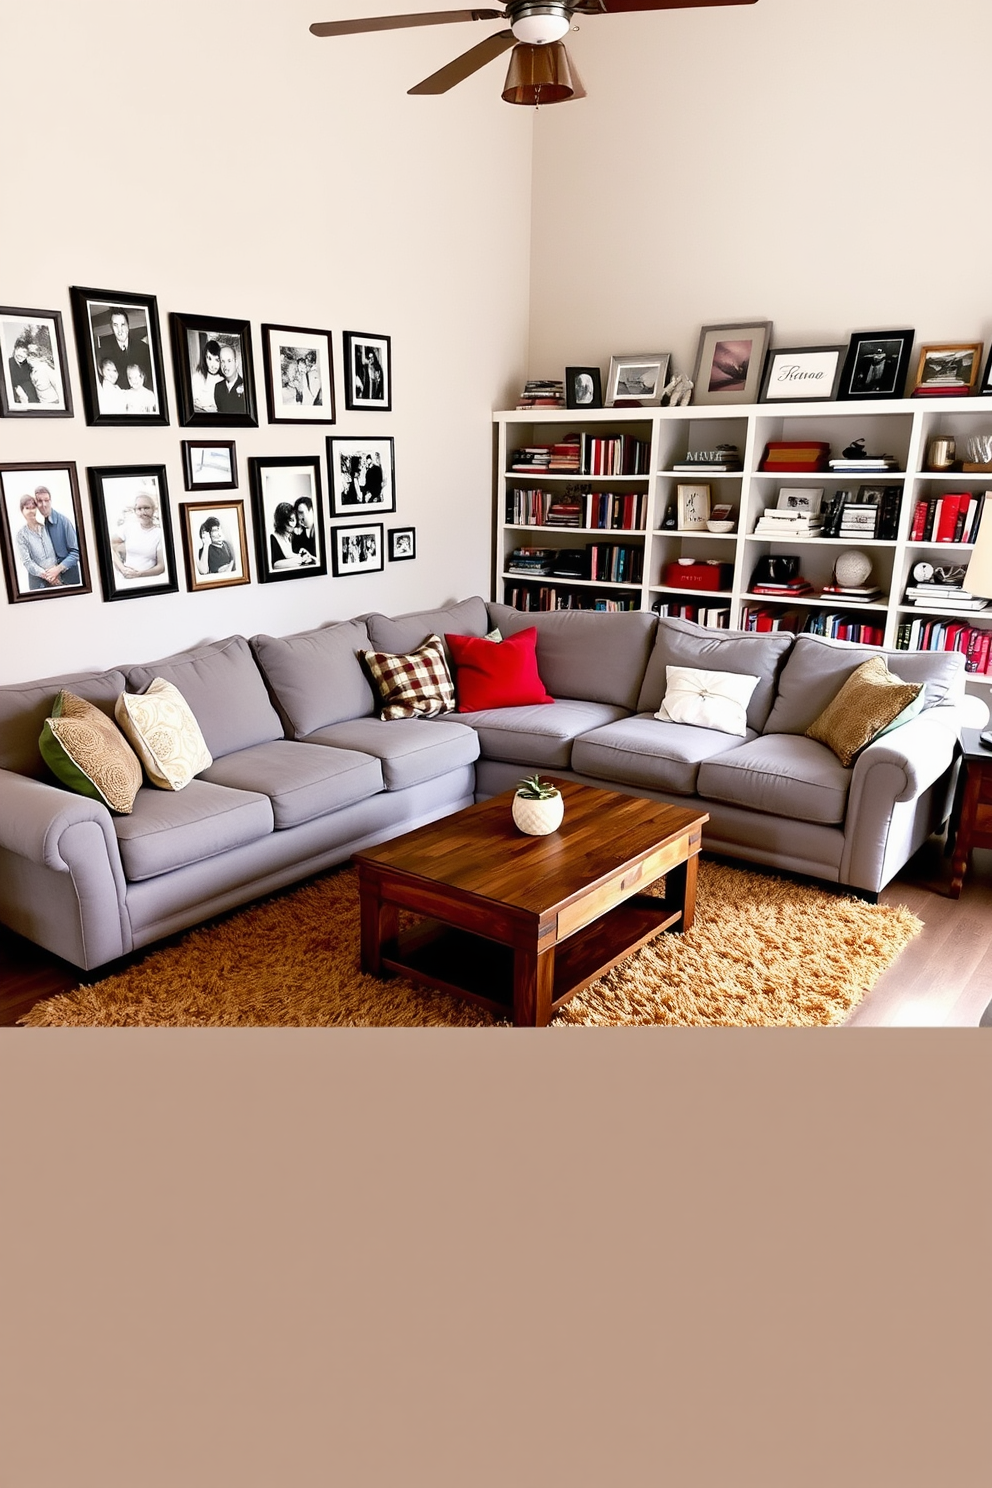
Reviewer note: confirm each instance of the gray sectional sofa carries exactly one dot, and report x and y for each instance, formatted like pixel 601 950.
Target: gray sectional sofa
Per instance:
pixel 305 773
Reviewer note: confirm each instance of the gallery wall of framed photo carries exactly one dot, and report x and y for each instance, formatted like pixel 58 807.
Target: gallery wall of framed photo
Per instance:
pixel 219 518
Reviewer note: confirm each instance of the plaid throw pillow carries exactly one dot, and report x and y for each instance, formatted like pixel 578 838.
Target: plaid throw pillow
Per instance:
pixel 417 685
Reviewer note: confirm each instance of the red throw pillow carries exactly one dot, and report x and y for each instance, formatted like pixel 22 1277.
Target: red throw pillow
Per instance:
pixel 496 674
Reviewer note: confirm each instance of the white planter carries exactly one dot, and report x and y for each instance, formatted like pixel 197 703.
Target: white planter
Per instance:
pixel 538 818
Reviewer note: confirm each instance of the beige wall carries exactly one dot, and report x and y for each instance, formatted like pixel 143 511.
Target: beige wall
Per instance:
pixel 220 157
pixel 817 163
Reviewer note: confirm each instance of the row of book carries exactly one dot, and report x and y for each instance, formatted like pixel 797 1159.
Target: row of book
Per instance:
pixel 948 635
pixel 616 563
pixel 577 507
pixel 607 563
pixel 715 617
pixel 585 454
pixel 872 512
pixel 522 597
pixel 952 517
pixel 837 626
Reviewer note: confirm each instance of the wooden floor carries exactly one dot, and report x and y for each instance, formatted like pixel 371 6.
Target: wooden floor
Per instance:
pixel 942 979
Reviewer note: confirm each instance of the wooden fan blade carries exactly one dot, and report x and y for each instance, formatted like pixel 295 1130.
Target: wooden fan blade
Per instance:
pixel 469 62
pixel 390 23
pixel 599 7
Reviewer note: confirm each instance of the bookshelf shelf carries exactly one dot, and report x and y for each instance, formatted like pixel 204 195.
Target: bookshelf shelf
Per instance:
pixel 902 428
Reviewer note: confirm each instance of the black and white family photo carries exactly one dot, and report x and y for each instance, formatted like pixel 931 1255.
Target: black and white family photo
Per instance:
pixel 356 550
pixel 120 357
pixel 32 355
pixel 299 375
pixel 42 532
pixel 215 381
pixel 214 544
pixel 361 475
pixel 133 529
pixel 402 543
pixel 368 380
pixel 288 517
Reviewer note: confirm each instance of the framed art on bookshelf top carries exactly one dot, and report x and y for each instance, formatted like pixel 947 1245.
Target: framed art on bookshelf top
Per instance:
pixel 808 374
pixel 729 362
pixel 948 369
pixel 875 366
pixel 637 377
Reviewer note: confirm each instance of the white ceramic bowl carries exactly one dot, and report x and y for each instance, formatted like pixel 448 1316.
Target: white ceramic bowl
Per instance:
pixel 720 526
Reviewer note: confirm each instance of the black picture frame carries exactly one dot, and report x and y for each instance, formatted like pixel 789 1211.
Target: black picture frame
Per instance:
pixel 299 375
pixel 402 544
pixel 985 390
pixel 34 372
pixel 278 481
pixel 20 481
pixel 117 495
pixel 351 465
pixel 197 342
pixel 210 465
pixel 583 387
pixel 368 372
pixel 198 520
pixel 357 550
pixel 97 315
pixel 802 374
pixel 875 366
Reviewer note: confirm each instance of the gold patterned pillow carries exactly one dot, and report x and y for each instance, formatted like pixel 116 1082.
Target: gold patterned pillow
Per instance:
pixel 160 724
pixel 86 751
pixel 868 703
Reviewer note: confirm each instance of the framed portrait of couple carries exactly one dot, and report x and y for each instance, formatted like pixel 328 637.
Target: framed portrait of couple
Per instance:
pixel 368 372
pixel 288 516
pixel 215 375
pixel 34 380
pixel 299 375
pixel 41 532
pixel 120 356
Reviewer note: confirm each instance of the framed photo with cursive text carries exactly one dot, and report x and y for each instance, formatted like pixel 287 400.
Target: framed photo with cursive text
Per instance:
pixel 802 374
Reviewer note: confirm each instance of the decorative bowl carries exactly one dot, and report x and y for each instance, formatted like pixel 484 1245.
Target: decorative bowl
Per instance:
pixel 720 526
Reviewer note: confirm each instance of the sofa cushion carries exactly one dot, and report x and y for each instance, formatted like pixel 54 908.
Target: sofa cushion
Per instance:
pixel 594 655
pixel 817 668
pixel 302 781
pixel 405 632
pixel 782 774
pixel 316 676
pixel 683 643
pixel 538 734
pixel 160 726
pixel 24 706
pixel 867 705
pixel 87 752
pixel 225 690
pixel 496 675
pixel 642 751
pixel 169 829
pixel 712 700
pixel 409 750
pixel 412 684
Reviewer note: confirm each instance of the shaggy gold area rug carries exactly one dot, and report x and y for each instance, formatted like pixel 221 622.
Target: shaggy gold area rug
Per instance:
pixel 762 951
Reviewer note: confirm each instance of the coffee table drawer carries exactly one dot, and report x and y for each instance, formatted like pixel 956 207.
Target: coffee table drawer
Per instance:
pixel 629 881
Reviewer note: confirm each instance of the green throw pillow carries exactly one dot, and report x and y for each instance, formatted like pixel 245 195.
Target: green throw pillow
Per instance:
pixel 87 752
pixel 871 702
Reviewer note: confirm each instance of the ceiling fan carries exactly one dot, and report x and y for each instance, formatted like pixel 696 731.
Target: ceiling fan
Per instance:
pixel 540 70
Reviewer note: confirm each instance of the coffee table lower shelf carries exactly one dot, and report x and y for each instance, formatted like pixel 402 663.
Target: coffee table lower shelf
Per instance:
pixel 481 970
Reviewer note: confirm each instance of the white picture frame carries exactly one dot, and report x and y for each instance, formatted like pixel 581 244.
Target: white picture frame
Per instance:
pixel 693 506
pixel 807 499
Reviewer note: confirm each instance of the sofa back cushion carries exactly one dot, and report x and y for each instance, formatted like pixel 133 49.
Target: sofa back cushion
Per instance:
pixel 406 632
pixel 594 656
pixel 225 690
pixel 24 706
pixel 817 669
pixel 685 644
pixel 316 677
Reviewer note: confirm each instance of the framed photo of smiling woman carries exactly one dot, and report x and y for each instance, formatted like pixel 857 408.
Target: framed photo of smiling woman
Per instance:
pixel 133 530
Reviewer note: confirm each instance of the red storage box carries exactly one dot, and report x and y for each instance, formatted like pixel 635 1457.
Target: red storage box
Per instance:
pixel 698 575
pixel 796 455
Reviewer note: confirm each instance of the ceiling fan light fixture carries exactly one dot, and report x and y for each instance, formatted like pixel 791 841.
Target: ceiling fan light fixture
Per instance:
pixel 539 75
pixel 538 25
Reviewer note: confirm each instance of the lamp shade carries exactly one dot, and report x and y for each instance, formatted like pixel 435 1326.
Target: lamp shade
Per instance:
pixel 540 74
pixel 978 575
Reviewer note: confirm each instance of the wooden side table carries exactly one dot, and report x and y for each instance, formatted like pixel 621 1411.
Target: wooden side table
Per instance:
pixel 974 828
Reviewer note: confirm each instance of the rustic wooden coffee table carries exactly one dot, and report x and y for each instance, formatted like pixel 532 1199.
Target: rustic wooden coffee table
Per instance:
pixel 520 924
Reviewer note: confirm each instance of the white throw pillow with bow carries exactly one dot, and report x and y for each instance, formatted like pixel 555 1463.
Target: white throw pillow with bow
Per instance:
pixel 715 700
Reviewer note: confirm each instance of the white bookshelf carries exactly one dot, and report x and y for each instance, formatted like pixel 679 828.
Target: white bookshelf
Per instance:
pixel 899 427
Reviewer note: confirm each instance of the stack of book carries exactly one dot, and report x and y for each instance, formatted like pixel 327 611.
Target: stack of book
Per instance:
pixel 784 523
pixel 866 464
pixel 803 455
pixel 565 456
pixel 951 595
pixel 853 594
pixel 844 628
pixel 724 457
pixel 540 392
pixel 535 561
pixel 532 457
pixel 566 510
pixel 953 516
pixel 789 589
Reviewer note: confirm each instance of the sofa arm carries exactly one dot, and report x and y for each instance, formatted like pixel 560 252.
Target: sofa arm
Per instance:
pixel 921 750
pixel 62 883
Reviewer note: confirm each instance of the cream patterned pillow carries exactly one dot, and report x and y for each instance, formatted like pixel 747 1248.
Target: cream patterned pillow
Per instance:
pixel 714 700
pixel 86 751
pixel 868 703
pixel 165 734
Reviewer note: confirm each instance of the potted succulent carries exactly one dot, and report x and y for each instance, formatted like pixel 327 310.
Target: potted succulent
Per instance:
pixel 538 806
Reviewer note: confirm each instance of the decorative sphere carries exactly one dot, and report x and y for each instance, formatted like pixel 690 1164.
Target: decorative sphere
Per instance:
pixel 852 569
